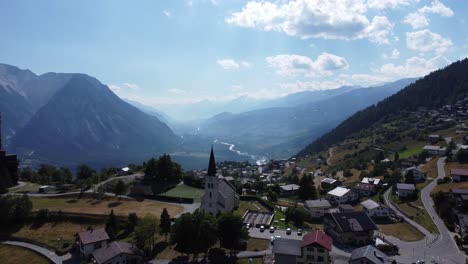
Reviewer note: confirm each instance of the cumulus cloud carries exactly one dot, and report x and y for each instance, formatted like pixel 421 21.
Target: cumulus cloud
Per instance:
pixel 419 20
pixel 395 54
pixel 300 86
pixel 230 64
pixel 339 19
pixel 293 65
pixel 167 13
pixel 384 4
pixel 425 40
pixel 413 67
pixel 416 20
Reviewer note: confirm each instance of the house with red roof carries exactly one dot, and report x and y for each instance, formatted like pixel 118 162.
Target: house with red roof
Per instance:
pixel 314 248
pixel 91 240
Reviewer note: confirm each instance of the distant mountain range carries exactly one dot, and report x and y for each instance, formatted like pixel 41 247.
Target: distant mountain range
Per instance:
pixel 69 119
pixel 297 119
pixel 441 87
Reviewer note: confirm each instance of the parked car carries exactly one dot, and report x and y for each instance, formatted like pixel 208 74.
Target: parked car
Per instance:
pixel 262 228
pixel 299 232
pixel 247 226
pixel 288 231
pixel 272 229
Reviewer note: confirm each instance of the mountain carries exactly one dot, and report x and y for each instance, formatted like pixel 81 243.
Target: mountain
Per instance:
pixel 279 131
pixel 68 119
pixel 441 87
pixel 150 110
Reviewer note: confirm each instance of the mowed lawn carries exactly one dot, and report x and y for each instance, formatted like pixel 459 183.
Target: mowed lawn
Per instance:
pixel 89 205
pixel 54 235
pixel 185 191
pixel 18 255
pixel 402 231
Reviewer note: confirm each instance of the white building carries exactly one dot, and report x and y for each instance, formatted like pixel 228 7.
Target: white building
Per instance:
pixel 418 175
pixel 434 150
pixel 341 195
pixel 220 195
pixel 373 181
pixel 374 209
pixel 405 190
pixel 317 208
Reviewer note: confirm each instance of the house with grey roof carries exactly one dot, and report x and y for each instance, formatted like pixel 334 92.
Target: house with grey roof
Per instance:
pixel 91 240
pixel 374 209
pixel 405 190
pixel 459 175
pixel 369 255
pixel 286 250
pixel 289 189
pixel 117 253
pixel 220 195
pixel 317 208
pixel 351 228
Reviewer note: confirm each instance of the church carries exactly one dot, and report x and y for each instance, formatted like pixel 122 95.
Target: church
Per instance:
pixel 220 196
pixel 8 166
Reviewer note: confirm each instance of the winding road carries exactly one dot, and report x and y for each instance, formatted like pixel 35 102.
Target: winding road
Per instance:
pixel 42 251
pixel 439 248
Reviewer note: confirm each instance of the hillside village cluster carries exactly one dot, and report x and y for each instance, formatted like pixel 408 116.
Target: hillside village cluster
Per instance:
pixel 342 224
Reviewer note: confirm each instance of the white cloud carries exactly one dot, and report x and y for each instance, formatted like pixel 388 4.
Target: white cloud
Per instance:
pixel 176 91
pixel 395 54
pixel 425 40
pixel 293 65
pixel 416 20
pixel 331 19
pixel 419 20
pixel 132 86
pixel 383 4
pixel 369 79
pixel 437 8
pixel 124 86
pixel 413 67
pixel 167 13
pixel 230 64
pixel 300 86
pixel 114 88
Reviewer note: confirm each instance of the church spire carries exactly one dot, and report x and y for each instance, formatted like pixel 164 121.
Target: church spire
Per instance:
pixel 212 164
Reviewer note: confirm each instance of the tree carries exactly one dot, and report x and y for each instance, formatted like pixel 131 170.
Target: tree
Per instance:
pixel 396 157
pixel 132 221
pixel 84 172
pixel 409 177
pixel 112 225
pixel 231 230
pixel 306 191
pixel 145 233
pixel 272 196
pixel 165 223
pixel 120 188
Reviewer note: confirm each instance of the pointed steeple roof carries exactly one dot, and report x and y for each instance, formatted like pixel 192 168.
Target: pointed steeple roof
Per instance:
pixel 212 164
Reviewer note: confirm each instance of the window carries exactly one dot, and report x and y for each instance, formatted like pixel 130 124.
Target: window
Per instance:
pixel 311 249
pixel 310 257
pixel 321 250
pixel 320 258
pixel 210 194
pixel 97 245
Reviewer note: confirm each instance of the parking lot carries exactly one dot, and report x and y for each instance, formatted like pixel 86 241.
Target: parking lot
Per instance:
pixel 255 232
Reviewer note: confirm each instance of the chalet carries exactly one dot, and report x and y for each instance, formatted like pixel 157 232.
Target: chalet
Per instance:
pixel 118 252
pixel 364 189
pixel 329 183
pixel 406 163
pixel 125 171
pixel 435 150
pixel 354 228
pixel 433 139
pixel 314 248
pixel 418 175
pixel 374 209
pixel 220 195
pixel 459 175
pixel 346 208
pixel 341 195
pixel 369 255
pixel 373 181
pixel 289 189
pixel 317 208
pixel 91 240
pixel 405 190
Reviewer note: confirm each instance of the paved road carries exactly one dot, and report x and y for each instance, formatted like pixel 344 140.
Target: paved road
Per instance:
pixel 330 156
pixel 433 248
pixel 43 251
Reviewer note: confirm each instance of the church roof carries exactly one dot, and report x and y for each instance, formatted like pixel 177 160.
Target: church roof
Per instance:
pixel 212 164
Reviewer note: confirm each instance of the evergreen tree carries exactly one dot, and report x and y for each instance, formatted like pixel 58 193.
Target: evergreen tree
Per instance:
pixel 231 230
pixel 112 225
pixel 165 223
pixel 120 188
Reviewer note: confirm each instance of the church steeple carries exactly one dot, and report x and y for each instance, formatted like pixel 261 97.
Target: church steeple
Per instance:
pixel 212 164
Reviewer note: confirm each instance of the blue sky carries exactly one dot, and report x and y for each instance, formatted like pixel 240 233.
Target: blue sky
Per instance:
pixel 176 52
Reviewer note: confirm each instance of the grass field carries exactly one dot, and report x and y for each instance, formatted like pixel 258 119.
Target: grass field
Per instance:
pixel 185 191
pixel 18 255
pixel 430 168
pixel 413 148
pixel 54 235
pixel 249 205
pixel 402 231
pixel 103 207
pixel 28 187
pixel 255 244
pixel 418 215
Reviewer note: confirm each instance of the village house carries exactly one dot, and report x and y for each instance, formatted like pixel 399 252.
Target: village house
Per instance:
pixel 329 183
pixel 374 209
pixel 317 208
pixel 459 175
pixel 289 189
pixel 341 195
pixel 373 181
pixel 353 228
pixel 405 190
pixel 434 150
pixel 433 139
pixel 345 208
pixel 314 248
pixel 91 240
pixel 368 255
pixel 406 163
pixel 418 175
pixel 118 253
pixel 220 196
pixel 364 189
